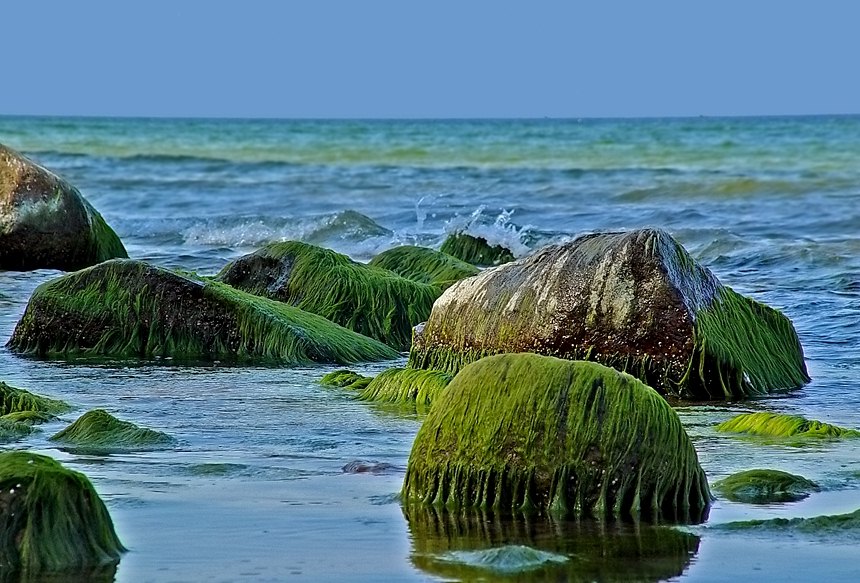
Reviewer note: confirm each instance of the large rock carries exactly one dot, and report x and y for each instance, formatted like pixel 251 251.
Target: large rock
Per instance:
pixel 527 433
pixel 635 301
pixel 372 301
pixel 52 519
pixel 476 250
pixel 45 222
pixel 424 265
pixel 101 431
pixel 125 308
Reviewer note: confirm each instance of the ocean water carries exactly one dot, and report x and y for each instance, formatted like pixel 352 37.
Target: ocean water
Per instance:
pixel 256 489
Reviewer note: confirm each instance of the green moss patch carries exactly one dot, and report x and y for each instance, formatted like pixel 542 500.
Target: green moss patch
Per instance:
pixel 11 430
pixel 129 309
pixel 14 400
pixel 765 487
pixel 369 300
pixel 98 429
pixel 476 250
pixel 778 425
pixel 528 433
pixel 28 417
pixel 51 518
pixel 345 378
pixel 424 265
pixel 406 385
pixel 843 526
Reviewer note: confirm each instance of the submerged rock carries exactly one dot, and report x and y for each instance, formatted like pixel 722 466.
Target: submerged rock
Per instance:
pixel 344 378
pixel 13 430
pixel 371 301
pixel 529 433
pixel 778 425
pixel 98 429
pixel 51 518
pixel 14 400
pixel 45 222
pixel 841 526
pixel 476 250
pixel 765 487
pixel 424 265
pixel 125 308
pixel 635 301
pixel 406 386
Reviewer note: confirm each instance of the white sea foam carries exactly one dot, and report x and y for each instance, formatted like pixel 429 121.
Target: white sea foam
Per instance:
pixel 498 231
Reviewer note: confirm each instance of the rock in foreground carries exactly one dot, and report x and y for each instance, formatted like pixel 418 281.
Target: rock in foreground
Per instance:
pixel 635 301
pixel 125 308
pixel 529 433
pixel 45 222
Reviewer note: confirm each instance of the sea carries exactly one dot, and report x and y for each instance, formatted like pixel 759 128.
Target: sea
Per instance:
pixel 274 477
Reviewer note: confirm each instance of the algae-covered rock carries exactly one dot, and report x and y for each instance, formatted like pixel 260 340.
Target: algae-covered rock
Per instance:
pixel 476 250
pixel 28 417
pixel 842 526
pixel 98 429
pixel 346 379
pixel 635 301
pixel 765 486
pixel 13 430
pixel 522 432
pixel 372 301
pixel 51 518
pixel 125 308
pixel 406 386
pixel 424 265
pixel 779 425
pixel 45 222
pixel 14 400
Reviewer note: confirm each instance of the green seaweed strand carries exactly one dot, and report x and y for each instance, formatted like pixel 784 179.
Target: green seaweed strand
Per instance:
pixel 424 265
pixel 779 425
pixel 98 428
pixel 406 385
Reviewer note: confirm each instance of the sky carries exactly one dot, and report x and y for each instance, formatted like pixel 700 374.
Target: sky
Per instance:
pixel 439 59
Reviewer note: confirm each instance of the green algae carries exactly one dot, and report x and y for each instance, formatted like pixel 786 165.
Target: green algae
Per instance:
pixel 406 385
pixel 761 486
pixel 129 309
pixel 52 518
pixel 104 242
pixel 778 425
pixel 529 433
pixel 98 429
pixel 14 400
pixel 372 301
pixel 28 417
pixel 842 526
pixel 12 430
pixel 345 378
pixel 475 250
pixel 424 265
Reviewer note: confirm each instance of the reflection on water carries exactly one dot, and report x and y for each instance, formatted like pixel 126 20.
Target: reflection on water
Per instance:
pixel 475 546
pixel 104 574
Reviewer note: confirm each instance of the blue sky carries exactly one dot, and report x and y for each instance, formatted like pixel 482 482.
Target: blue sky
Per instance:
pixel 443 58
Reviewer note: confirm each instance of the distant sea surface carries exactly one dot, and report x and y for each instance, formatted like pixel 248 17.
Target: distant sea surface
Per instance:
pixel 256 489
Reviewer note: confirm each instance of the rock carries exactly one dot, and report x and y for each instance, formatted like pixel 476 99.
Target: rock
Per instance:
pixel 14 400
pixel 406 386
pixel 346 379
pixel 635 301
pixel 98 429
pixel 424 265
pixel 371 301
pixel 13 430
pixel 476 250
pixel 366 467
pixel 52 518
pixel 45 222
pixel 839 527
pixel 129 309
pixel 778 425
pixel 765 487
pixel 530 433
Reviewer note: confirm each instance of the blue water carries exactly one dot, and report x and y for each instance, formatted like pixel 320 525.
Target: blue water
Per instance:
pixel 255 489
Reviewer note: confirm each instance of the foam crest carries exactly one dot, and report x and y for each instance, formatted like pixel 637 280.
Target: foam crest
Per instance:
pixel 497 231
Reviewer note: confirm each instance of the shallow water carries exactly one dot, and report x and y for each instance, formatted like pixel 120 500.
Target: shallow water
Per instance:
pixel 255 487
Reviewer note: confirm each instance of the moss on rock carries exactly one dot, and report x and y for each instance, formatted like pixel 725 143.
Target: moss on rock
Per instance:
pixel 529 433
pixel 476 250
pixel 13 430
pixel 14 400
pixel 424 265
pixel 345 379
pixel 765 486
pixel 45 222
pixel 371 301
pixel 406 386
pixel 129 309
pixel 779 425
pixel 841 525
pixel 99 429
pixel 28 417
pixel 51 518
pixel 635 301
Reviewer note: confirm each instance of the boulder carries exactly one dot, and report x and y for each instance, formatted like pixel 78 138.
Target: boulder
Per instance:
pixel 406 386
pixel 778 425
pixel 476 250
pixel 98 429
pixel 765 487
pixel 45 222
pixel 51 518
pixel 14 400
pixel 424 265
pixel 635 301
pixel 371 301
pixel 527 433
pixel 130 309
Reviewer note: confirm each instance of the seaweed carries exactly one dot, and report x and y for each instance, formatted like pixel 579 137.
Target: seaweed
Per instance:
pixel 345 379
pixel 424 265
pixel 13 430
pixel 475 250
pixel 98 429
pixel 372 301
pixel 14 400
pixel 780 425
pixel 129 309
pixel 52 518
pixel 406 385
pixel 529 433
pixel 761 486
pixel 841 526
